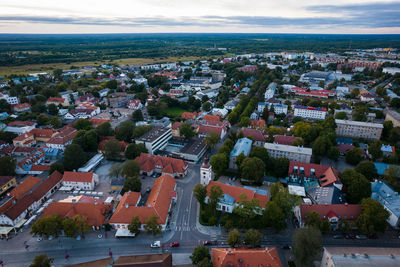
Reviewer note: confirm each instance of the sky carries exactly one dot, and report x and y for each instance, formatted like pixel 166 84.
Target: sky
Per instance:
pixel 216 16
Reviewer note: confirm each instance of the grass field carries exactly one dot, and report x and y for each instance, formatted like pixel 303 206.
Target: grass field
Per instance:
pixel 25 69
pixel 175 112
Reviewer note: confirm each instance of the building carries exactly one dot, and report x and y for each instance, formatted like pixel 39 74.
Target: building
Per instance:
pixel 156 139
pixel 232 196
pixel 63 138
pixel 326 175
pixel 393 116
pixel 117 183
pixel 7 182
pixel 315 77
pixel 24 107
pixel 191 150
pixel 243 145
pixel 134 104
pixel 148 260
pixel 254 257
pixel 150 164
pixel 389 199
pixel 256 135
pixel 333 213
pixel 360 256
pixel 67 95
pixel 79 181
pixel 278 108
pixel 58 101
pixel 270 92
pixel 81 113
pixel 175 129
pixel 300 154
pixel 326 195
pixel 366 97
pixel 203 130
pixel 24 140
pixel 388 150
pixel 358 129
pixel 158 204
pixel 392 71
pixel 12 100
pixel 310 112
pixel 206 173
pixel 285 139
pixel 20 127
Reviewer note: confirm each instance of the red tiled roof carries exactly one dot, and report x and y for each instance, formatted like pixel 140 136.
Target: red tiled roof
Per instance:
pixel 176 125
pixel 204 129
pixel 325 174
pixel 22 106
pixel 42 133
pixel 64 135
pixel 83 177
pixel 24 187
pixel 23 137
pixel 149 162
pixel 236 191
pixel 189 115
pixel 343 148
pixel 211 118
pixel 257 135
pixel 259 123
pixel 349 212
pixel 21 123
pixel 96 122
pixel 40 168
pixel 284 140
pixel 58 100
pixel 255 257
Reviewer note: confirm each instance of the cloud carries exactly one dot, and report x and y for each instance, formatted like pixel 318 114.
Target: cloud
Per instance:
pixel 372 15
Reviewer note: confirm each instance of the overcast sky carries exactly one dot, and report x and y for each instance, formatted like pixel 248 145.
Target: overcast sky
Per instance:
pixel 137 16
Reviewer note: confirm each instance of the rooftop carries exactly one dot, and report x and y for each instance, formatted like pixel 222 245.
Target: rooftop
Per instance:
pixel 359 123
pixel 290 149
pixel 246 257
pixel 243 145
pixel 386 196
pixel 153 134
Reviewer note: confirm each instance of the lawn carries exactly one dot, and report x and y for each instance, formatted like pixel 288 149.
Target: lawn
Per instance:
pixel 175 112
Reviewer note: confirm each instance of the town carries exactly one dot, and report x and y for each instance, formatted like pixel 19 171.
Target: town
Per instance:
pixel 268 159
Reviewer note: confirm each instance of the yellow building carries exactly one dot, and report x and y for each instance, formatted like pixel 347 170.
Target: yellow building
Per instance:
pixel 6 182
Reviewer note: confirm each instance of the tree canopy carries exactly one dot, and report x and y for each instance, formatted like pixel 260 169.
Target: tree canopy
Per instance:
pixel 357 186
pixel 74 157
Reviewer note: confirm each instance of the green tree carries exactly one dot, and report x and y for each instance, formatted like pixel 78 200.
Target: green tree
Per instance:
pixel 239 160
pixel 261 153
pixel 373 217
pixel 47 226
pixel 214 196
pixel 138 131
pixel 134 150
pixel 313 219
pixel 354 156
pixel 74 157
pixel 247 210
pixel 81 224
pixel 253 238
pixel 152 226
pixel 200 193
pixel 219 163
pixel 375 149
pixel 333 153
pixel 392 175
pixel 7 166
pixel 112 84
pixel 200 253
pixel 115 170
pixel 367 168
pixel 56 166
pixel 212 139
pixel 42 119
pixel 274 216
pixel 134 226
pixel 52 108
pixel 233 238
pixel 112 149
pixel 42 261
pixel 186 130
pixel 130 169
pixel 244 122
pixel 55 122
pixel 104 129
pixel 321 146
pixel 69 228
pixel 125 131
pixel 387 129
pixel 253 170
pixel 281 196
pixel 83 124
pixel 207 106
pixel 301 129
pixel 132 184
pixel 137 115
pixel 341 116
pixel 281 167
pixel 307 244
pixel 357 186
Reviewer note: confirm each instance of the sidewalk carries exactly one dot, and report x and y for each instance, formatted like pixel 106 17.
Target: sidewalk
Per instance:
pixel 206 230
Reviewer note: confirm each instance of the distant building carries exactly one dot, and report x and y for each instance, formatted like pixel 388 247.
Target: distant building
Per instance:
pixel 150 164
pixel 58 101
pixel 393 116
pixel 389 199
pixel 243 145
pixel 300 154
pixel 67 95
pixel 278 108
pixel 63 138
pixel 310 112
pixel 225 257
pixel 7 182
pixel 24 107
pixel 392 71
pixel 156 139
pixel 358 129
pixel 80 180
pixel 206 173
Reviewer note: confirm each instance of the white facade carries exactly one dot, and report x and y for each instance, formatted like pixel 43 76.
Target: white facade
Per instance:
pixel 310 113
pixel 358 129
pixel 19 130
pixel 300 154
pixel 278 108
pixel 206 174
pixel 155 143
pixel 269 94
pixel 392 71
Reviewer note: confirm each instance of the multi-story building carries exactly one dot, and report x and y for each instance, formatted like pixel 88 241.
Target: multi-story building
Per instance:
pixel 358 129
pixel 389 199
pixel 206 173
pixel 6 182
pixel 294 153
pixel 80 180
pixel 393 116
pixel 243 145
pixel 278 108
pixel 310 112
pixel 157 138
pixel 151 164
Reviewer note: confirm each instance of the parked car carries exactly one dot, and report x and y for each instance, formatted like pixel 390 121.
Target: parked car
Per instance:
pixel 361 237
pixel 209 243
pixel 174 244
pixel 155 244
pixel 350 236
pixel 338 236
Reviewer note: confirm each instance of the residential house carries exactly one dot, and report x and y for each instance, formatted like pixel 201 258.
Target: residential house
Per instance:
pixel 150 164
pixel 203 130
pixel 79 180
pixel 24 140
pixel 389 199
pixel 158 204
pixel 67 95
pixel 134 104
pixel 25 166
pixel 366 97
pixel 388 150
pixel 58 101
pixel 7 182
pixel 20 127
pixel 333 213
pixel 256 135
pixel 258 123
pixel 233 195
pixel 243 145
pixel 63 138
pixel 80 113
pixel 87 98
pixel 251 257
pixel 190 115
pixel 24 107
pixel 175 128
pixel 326 175
pixel 284 139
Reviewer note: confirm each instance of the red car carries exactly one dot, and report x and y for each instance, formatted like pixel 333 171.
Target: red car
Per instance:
pixel 174 244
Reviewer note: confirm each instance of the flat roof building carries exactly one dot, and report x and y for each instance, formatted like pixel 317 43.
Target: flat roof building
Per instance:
pixel 293 153
pixel 243 145
pixel 157 138
pixel 358 129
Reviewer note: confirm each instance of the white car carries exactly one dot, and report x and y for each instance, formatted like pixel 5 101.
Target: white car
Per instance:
pixel 155 244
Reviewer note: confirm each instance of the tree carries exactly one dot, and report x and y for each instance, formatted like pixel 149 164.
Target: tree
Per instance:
pixel 395 102
pixel 357 186
pixel 281 167
pixel 233 238
pixel 247 210
pixel 200 193
pixel 373 217
pixel 115 170
pixel 375 149
pixel 112 84
pixel 307 244
pixel 81 224
pixel 112 149
pixel 207 106
pixel 341 115
pixel 214 196
pixel 274 216
pixel 69 228
pixel 132 184
pixel 55 122
pixel 313 219
pixel 387 129
pixel 56 166
pixel 253 169
pixel 186 130
pixel 47 226
pixel 253 238
pixel 354 156
pixel 83 124
pixel 298 141
pixel 367 168
pixel 130 168
pixel 7 166
pixel 281 196
pixel 42 261
pixel 137 115
pixel 74 157
pixel 138 131
pixel 134 226
pixel 392 175
pixel 104 129
pixel 333 153
pixel 261 153
pixel 239 160
pixel 42 119
pixel 212 139
pixel 134 150
pixel 125 131
pixel 244 122
pixel 301 129
pixel 200 253
pixel 321 146
pixel 152 226
pixel 219 163
pixel 52 108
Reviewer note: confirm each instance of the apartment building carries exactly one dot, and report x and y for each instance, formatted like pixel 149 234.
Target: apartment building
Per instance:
pixel 358 129
pixel 293 153
pixel 157 138
pixel 278 108
pixel 310 112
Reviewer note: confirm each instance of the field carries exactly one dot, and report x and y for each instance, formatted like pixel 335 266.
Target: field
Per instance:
pixel 175 112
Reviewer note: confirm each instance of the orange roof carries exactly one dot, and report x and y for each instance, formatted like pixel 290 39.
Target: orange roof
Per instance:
pixel 211 118
pixel 57 100
pixel 326 174
pixel 23 136
pixel 149 162
pixel 85 177
pixel 42 133
pixel 256 257
pixel 236 191
pixel 24 187
pixel 40 168
pixel 204 129
pixel 96 122
pixel 157 204
pixel 94 212
pixel 176 125
pixel 189 115
pixel 259 123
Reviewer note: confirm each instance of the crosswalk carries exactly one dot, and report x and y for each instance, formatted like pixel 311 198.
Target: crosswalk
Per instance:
pixel 184 228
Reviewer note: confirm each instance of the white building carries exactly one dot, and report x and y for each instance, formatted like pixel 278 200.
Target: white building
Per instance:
pixel 358 129
pixel 67 95
pixel 269 94
pixel 206 173
pixel 79 180
pixel 278 108
pixel 12 100
pixel 392 71
pixel 389 199
pixel 300 154
pixel 310 112
pixel 157 138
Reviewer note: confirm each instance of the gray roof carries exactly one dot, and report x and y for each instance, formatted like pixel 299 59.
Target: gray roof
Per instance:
pixel 386 196
pixel 243 145
pixel 153 134
pixel 326 195
pixel 194 146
